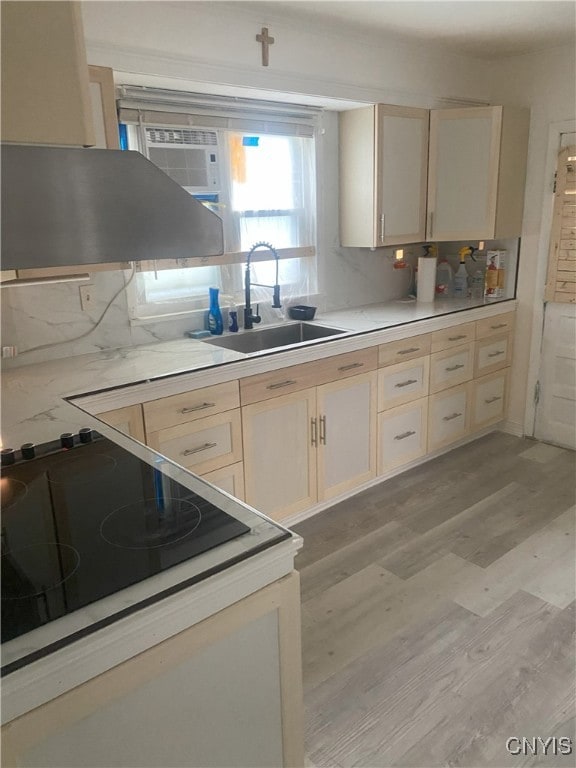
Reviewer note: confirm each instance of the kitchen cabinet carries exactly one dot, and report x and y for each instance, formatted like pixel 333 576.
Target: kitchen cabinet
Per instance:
pixel 45 81
pixel 403 382
pixel 402 434
pixel 411 175
pixel 476 173
pixel 383 169
pixel 128 420
pixel 448 416
pixel 311 445
pixel 489 399
pixel 103 103
pixel 451 367
pixel 229 479
pixel 492 354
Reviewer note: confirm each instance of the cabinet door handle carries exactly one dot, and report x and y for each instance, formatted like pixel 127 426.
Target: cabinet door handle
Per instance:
pixel 454 367
pixel 382 229
pixel 205 447
pixel 496 354
pixel 404 435
pixel 281 384
pixel 431 223
pixel 500 325
pixel 408 351
pixel 193 408
pixel 452 416
pixel 351 366
pixel 492 399
pixel 406 383
pixel 457 338
pixel 322 430
pixel 313 432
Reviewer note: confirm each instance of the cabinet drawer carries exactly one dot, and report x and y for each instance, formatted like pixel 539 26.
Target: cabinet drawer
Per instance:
pixel 492 355
pixel 197 404
pixel 402 434
pixel 451 367
pixel 453 337
pixel 405 349
pixel 448 416
pixel 202 445
pixel 403 383
pixel 283 381
pixel 489 399
pixel 494 326
pixel 229 479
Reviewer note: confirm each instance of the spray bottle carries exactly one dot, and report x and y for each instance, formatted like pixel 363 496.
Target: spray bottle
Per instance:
pixel 461 276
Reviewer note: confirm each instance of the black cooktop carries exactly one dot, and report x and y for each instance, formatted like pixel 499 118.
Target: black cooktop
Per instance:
pixel 82 523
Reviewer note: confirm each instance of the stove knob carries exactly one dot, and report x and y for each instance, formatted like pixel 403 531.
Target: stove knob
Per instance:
pixel 28 450
pixel 7 456
pixel 85 435
pixel 67 440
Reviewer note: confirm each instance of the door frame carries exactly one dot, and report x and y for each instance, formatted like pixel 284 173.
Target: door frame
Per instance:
pixel 555 131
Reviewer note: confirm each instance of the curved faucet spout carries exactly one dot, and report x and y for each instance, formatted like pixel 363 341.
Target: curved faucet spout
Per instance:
pixel 250 318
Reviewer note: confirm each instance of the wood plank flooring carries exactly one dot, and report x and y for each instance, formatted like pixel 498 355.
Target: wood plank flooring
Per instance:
pixel 438 613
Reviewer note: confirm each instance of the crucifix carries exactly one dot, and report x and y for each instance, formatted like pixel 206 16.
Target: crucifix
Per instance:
pixel 266 41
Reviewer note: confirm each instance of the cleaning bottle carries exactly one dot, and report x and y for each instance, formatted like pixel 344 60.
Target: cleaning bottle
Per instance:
pixel 444 279
pixel 461 276
pixel 215 324
pixel 233 318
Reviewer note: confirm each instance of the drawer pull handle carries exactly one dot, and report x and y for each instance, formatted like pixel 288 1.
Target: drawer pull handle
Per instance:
pixel 281 384
pixel 408 351
pixel 457 338
pixel 351 366
pixel 454 367
pixel 493 399
pixel 193 408
pixel 313 431
pixel 406 383
pixel 404 435
pixel 322 430
pixel 452 416
pixel 496 354
pixel 205 447
pixel 500 325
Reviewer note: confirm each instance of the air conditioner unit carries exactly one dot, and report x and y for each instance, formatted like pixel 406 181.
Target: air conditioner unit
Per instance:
pixel 187 155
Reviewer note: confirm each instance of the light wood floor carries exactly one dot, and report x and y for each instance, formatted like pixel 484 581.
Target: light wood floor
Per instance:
pixel 439 612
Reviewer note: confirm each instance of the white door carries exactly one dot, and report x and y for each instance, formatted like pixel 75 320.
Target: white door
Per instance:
pixel 346 434
pixel 556 411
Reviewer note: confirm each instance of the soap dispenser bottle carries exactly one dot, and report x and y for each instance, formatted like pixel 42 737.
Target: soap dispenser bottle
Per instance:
pixel 215 324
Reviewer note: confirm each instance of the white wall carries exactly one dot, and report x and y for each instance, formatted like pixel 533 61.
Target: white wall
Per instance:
pixel 546 82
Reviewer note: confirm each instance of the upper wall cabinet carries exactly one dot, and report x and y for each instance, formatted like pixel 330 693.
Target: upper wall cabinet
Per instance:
pixel 464 181
pixel 383 169
pixel 477 172
pixel 45 84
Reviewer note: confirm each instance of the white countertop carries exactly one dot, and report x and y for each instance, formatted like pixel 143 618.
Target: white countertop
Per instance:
pixel 33 409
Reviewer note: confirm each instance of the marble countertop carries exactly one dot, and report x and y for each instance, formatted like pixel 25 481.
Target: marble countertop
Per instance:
pixel 33 405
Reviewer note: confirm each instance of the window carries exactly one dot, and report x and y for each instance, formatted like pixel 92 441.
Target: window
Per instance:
pixel 258 175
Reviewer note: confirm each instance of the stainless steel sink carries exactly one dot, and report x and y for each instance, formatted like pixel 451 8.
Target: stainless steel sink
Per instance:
pixel 264 339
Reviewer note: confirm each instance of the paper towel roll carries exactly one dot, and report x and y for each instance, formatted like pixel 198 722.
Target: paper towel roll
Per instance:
pixel 426 278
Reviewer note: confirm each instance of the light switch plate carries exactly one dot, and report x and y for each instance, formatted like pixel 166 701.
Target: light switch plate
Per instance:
pixel 86 297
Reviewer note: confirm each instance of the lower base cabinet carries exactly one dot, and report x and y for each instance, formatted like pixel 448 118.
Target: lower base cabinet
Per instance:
pixel 448 416
pixel 402 435
pixel 489 399
pixel 229 479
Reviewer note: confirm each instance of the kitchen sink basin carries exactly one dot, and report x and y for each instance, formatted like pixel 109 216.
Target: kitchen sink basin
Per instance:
pixel 264 339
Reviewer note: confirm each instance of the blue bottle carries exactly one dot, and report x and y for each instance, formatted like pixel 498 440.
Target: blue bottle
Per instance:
pixel 215 324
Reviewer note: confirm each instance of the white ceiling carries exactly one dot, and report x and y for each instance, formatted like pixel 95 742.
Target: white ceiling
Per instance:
pixel 479 28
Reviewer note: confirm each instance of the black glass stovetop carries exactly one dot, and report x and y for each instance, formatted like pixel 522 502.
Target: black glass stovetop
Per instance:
pixel 81 524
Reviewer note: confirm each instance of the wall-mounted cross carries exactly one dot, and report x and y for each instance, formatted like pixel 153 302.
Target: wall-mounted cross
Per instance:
pixel 266 41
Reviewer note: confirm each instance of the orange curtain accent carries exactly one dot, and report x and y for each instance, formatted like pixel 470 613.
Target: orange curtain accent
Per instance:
pixel 238 159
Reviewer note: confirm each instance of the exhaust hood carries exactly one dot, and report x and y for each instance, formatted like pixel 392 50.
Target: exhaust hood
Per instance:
pixel 73 206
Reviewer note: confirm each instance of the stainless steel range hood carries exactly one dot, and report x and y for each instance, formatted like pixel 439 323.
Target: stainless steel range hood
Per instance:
pixel 73 206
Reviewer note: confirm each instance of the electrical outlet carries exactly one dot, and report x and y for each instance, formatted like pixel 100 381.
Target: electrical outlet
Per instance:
pixel 86 297
pixel 10 351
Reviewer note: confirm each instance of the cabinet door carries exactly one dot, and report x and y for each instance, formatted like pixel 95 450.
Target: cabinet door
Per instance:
pixel 280 437
pixel 402 434
pixel 403 383
pixel 103 108
pixel 489 399
pixel 229 479
pixel 401 175
pixel 383 169
pixel 346 434
pixel 448 416
pixel 128 420
pixel 493 354
pixel 463 172
pixel 451 367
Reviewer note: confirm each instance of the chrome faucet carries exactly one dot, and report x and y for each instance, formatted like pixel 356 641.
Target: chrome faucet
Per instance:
pixel 250 318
